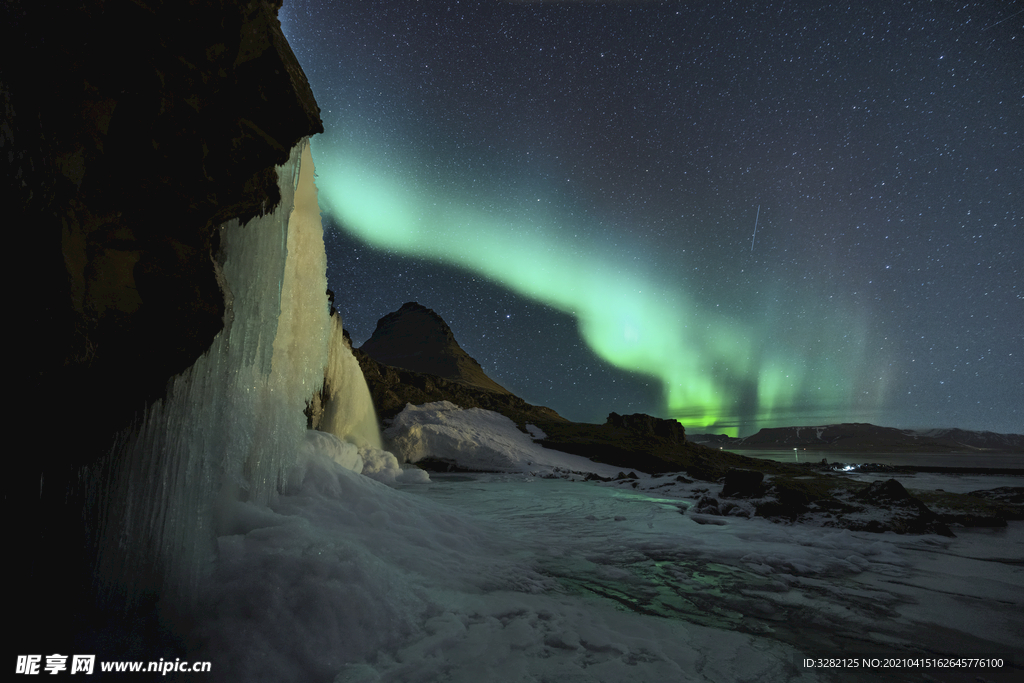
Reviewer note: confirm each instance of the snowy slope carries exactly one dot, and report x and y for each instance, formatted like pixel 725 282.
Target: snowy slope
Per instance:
pixel 479 440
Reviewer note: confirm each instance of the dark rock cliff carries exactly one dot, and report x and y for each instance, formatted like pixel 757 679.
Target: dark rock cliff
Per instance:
pixel 132 129
pixel 672 430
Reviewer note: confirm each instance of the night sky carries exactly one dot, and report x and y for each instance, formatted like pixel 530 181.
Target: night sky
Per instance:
pixel 574 188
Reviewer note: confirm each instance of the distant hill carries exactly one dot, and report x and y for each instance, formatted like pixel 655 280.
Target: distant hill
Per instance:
pixel 413 357
pixel 861 436
pixel 418 339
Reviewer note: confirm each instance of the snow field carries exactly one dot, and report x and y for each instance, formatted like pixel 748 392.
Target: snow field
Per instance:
pixel 513 577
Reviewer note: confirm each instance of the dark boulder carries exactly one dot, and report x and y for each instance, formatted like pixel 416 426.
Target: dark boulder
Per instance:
pixel 707 505
pixel 644 424
pixel 742 484
pixel 908 515
pixel 791 499
pixel 885 491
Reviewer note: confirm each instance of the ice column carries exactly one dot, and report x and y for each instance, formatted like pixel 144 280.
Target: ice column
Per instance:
pixel 229 426
pixel 348 409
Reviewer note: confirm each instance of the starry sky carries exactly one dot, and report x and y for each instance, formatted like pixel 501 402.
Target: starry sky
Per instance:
pixel 735 214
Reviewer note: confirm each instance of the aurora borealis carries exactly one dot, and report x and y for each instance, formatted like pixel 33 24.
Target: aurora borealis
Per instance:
pixel 574 186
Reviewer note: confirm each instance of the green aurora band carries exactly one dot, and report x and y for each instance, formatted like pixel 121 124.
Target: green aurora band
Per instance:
pixel 718 374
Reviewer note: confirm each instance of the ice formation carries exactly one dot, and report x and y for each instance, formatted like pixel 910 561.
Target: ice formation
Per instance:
pixel 230 426
pixel 348 412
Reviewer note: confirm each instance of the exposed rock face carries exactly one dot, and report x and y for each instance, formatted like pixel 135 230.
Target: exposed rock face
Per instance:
pixel 412 357
pixel 642 423
pixel 131 132
pixel 418 339
pixel 889 491
pixel 134 131
pixel 878 507
pixel 639 445
pixel 907 514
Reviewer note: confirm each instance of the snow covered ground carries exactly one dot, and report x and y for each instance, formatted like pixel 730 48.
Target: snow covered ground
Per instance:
pixel 478 439
pixel 510 576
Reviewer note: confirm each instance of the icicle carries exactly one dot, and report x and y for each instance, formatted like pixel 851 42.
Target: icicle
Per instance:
pixel 229 426
pixel 348 411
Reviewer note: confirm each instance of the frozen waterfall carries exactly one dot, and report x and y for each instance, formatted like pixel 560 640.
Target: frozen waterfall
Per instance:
pixel 344 409
pixel 348 411
pixel 230 426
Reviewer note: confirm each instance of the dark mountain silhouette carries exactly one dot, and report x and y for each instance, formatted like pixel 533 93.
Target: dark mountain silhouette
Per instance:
pixel 418 339
pixel 860 436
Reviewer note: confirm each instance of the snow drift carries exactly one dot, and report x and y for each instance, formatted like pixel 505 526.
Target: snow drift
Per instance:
pixel 478 440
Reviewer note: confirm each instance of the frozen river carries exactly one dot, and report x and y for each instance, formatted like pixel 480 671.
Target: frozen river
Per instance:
pixel 514 578
pixel 824 592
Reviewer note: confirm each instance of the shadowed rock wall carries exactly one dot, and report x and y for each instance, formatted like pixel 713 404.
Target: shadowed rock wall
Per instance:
pixel 135 130
pixel 132 130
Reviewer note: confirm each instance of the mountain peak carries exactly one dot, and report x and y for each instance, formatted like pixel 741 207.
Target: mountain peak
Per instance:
pixel 416 338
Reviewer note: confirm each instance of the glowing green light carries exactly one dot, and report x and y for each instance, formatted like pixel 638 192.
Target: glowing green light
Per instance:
pixel 632 316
